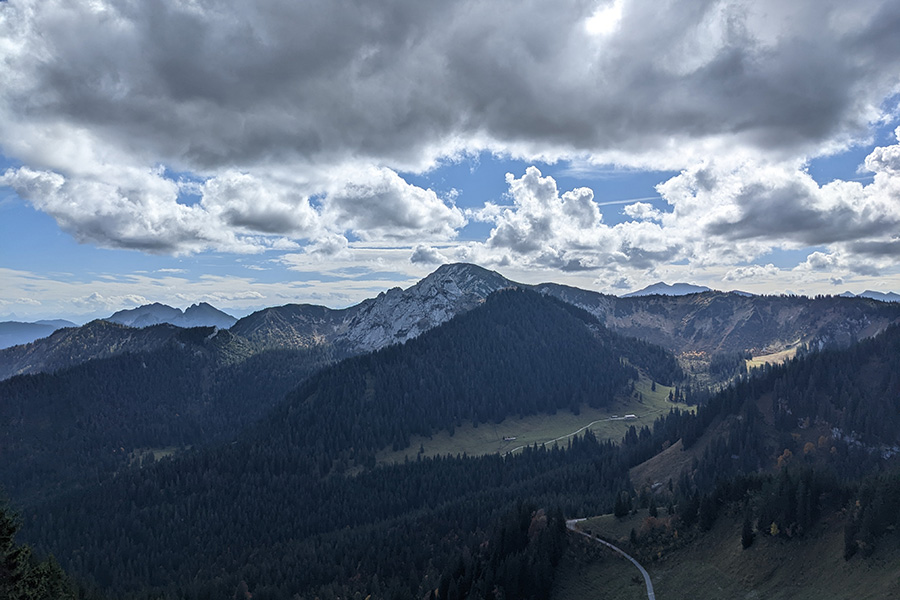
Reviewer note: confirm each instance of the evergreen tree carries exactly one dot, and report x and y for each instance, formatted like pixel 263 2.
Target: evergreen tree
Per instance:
pixel 21 576
pixel 747 533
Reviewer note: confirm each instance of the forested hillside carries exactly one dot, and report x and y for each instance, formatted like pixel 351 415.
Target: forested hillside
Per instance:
pixel 305 471
pixel 195 527
pixel 785 444
pixel 789 444
pixel 706 325
pixel 518 354
pixel 81 425
pixel 101 339
pixel 713 322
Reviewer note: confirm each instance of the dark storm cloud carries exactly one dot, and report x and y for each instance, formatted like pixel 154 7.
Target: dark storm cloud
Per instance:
pixel 887 249
pixel 205 85
pixel 790 212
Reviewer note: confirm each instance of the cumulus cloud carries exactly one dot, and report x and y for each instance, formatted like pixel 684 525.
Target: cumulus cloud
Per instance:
pixel 721 212
pixel 543 224
pixel 642 211
pixel 245 127
pixel 241 93
pixel 246 203
pixel 751 273
pixel 565 231
pixel 426 255
pixel 885 159
pixel 745 208
pixel 331 245
pixel 379 204
pixel 136 210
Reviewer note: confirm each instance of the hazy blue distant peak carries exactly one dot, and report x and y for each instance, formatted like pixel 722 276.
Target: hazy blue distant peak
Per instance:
pixel 883 296
pixel 676 289
pixel 14 333
pixel 872 295
pixel 197 315
pixel 58 323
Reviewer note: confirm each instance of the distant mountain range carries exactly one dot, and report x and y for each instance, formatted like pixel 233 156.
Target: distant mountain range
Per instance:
pixel 13 333
pixel 297 481
pixel 273 431
pixel 697 320
pixel 664 289
pixel 881 296
pixel 197 315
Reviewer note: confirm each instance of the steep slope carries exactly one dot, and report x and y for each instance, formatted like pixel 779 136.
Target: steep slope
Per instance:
pixel 837 409
pixel 727 322
pixel 517 354
pixel 298 487
pixel 707 323
pixel 75 345
pixel 87 422
pixel 290 326
pixel 391 317
pixel 204 315
pixel 399 315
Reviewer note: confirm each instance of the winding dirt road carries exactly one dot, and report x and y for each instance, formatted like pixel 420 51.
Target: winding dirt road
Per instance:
pixel 570 524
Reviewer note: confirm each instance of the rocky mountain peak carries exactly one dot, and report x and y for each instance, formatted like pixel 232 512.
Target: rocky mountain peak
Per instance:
pixel 198 315
pixel 460 279
pixel 399 315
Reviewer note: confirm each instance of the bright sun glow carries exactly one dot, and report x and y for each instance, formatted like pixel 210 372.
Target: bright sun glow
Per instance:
pixel 605 19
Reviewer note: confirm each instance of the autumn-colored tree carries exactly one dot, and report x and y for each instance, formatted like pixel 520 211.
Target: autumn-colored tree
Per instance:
pixel 784 458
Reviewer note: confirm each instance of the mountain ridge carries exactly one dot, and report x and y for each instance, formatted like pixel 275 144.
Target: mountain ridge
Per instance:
pixel 201 314
pixel 665 289
pixel 705 322
pixel 16 333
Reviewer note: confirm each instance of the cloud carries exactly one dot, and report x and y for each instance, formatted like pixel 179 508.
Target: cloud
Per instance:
pixel 331 245
pixel 642 211
pixel 379 204
pixel 744 208
pixel 751 272
pixel 840 263
pixel 246 203
pixel 236 85
pixel 544 228
pixel 183 127
pixel 137 210
pixel 96 301
pixel 426 255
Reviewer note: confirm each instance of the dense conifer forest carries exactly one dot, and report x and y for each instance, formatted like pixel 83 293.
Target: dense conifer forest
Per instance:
pixel 81 425
pixel 293 506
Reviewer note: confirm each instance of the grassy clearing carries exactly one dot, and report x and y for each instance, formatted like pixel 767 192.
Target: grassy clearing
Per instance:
pixel 606 423
pixel 605 576
pixel 776 358
pixel 714 565
pixel 138 453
